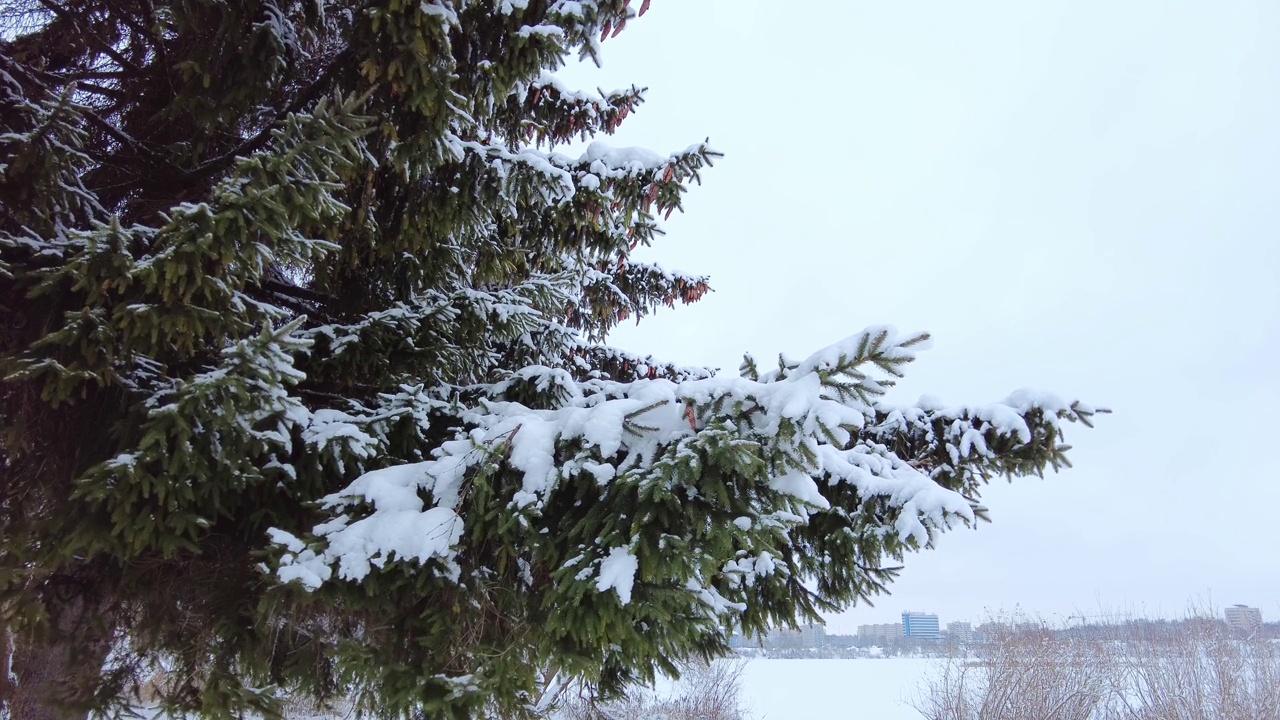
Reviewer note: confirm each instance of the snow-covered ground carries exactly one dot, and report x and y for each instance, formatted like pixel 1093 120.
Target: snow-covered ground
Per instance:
pixel 878 689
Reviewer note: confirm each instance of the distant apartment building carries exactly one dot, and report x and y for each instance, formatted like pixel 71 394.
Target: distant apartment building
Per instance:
pixel 813 635
pixel 882 634
pixel 808 636
pixel 1243 618
pixel 921 626
pixel 960 633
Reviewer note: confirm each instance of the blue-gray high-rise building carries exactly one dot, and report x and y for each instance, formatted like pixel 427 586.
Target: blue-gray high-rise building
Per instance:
pixel 920 626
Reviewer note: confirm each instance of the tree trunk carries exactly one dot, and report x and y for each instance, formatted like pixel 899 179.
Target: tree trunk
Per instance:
pixel 54 672
pixel 41 671
pixel 7 685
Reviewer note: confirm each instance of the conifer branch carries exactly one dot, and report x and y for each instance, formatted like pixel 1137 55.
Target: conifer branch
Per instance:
pixel 103 46
pixel 313 92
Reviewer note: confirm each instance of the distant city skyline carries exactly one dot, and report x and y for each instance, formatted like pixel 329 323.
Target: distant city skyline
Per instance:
pixel 1235 614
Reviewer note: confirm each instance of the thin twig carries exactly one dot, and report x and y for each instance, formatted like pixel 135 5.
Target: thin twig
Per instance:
pixel 103 45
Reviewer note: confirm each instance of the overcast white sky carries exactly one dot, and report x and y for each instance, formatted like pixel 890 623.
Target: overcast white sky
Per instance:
pixel 1072 195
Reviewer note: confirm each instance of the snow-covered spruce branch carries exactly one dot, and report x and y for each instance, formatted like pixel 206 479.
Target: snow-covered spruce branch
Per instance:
pixel 763 455
pixel 557 113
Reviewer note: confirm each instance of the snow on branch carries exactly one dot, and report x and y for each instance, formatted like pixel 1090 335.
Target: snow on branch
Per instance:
pixel 558 113
pixel 798 439
pixel 598 162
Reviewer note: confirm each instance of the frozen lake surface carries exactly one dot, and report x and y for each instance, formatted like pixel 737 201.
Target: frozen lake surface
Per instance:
pixel 872 689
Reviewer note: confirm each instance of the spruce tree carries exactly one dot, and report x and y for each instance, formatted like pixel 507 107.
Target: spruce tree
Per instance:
pixel 305 389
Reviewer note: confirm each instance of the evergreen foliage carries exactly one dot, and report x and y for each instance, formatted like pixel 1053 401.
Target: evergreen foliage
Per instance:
pixel 305 388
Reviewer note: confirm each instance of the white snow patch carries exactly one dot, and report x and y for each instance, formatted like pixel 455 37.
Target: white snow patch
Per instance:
pixel 618 573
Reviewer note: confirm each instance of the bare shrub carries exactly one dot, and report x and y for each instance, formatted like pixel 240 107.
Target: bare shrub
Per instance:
pixel 1192 669
pixel 706 691
pixel 1197 670
pixel 1023 671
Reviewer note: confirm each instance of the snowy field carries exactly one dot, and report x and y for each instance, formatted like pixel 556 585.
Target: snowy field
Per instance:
pixel 800 690
pixel 834 689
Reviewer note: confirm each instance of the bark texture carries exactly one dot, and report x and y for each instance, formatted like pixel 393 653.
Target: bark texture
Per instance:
pixel 54 671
